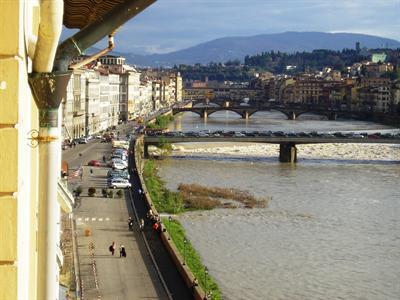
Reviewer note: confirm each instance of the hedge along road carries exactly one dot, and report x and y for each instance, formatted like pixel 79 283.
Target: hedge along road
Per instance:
pixel 111 277
pixel 169 272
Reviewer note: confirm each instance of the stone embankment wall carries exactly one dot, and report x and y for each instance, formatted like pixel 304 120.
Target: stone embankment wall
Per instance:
pixel 187 275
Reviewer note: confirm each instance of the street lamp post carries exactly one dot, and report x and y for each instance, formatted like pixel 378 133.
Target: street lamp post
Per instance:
pixel 205 281
pixel 169 227
pixel 184 250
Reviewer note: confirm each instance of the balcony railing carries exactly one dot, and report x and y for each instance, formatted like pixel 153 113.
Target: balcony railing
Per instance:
pixel 65 197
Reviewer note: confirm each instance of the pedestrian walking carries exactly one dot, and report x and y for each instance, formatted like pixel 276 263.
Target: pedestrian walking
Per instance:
pixel 141 224
pixel 130 224
pixel 104 158
pixel 156 227
pixel 91 172
pixel 112 248
pixel 122 252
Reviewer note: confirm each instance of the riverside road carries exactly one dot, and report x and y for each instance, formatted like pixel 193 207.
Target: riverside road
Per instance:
pixel 105 276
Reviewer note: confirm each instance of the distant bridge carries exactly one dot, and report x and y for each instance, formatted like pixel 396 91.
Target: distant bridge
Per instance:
pixel 290 111
pixel 287 149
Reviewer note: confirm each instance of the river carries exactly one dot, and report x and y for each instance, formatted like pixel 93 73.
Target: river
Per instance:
pixel 331 230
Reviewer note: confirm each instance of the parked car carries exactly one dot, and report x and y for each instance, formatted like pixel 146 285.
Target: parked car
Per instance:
pixel 239 134
pixel 82 140
pixel 339 134
pixel 120 150
pixel 374 136
pixel 119 183
pixel 119 156
pixel 388 135
pixel 64 168
pixel 118 164
pixel 118 174
pixel 94 163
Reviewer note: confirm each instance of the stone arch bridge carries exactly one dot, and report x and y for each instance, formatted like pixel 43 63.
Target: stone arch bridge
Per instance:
pixel 247 111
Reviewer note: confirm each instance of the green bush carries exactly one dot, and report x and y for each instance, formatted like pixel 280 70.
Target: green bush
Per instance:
pixel 110 194
pixel 91 191
pixel 161 122
pixel 119 193
pixel 104 192
pixel 78 191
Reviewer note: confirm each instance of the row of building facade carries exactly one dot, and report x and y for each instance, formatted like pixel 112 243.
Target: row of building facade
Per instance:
pixel 363 87
pixel 108 92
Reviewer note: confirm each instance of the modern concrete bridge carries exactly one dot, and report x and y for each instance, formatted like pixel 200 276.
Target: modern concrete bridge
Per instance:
pixel 287 150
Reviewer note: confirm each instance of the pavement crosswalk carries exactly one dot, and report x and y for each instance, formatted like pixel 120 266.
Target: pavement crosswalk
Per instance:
pixel 93 219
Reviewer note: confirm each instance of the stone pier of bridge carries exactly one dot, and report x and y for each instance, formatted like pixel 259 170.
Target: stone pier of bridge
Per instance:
pixel 287 153
pixel 292 115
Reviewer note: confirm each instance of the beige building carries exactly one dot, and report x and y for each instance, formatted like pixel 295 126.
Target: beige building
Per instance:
pixel 73 107
pixel 78 82
pixel 144 105
pixel 133 94
pixel 375 98
pixel 92 102
pixel 396 93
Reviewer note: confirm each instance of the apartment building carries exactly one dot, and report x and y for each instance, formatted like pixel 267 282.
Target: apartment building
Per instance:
pixel 105 107
pixel 92 102
pixel 133 92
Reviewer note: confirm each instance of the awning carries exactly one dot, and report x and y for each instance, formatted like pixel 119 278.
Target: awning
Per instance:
pixel 80 13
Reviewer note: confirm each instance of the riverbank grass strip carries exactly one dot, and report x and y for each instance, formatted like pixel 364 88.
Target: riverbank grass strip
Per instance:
pixel 166 201
pixel 163 199
pixel 191 257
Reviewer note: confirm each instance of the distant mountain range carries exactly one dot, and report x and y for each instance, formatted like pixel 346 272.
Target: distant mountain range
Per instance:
pixel 230 48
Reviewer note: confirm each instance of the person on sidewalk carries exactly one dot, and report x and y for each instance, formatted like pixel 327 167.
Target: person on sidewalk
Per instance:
pixel 130 223
pixel 112 248
pixel 122 252
pixel 141 224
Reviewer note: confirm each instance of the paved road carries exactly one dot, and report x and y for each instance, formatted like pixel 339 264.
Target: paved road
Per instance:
pixel 105 276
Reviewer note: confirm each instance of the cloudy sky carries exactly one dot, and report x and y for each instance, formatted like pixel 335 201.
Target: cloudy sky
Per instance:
pixel 170 25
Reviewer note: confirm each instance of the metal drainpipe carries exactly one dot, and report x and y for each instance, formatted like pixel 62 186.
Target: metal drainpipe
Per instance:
pixel 48 90
pixel 94 32
pixel 97 55
pixel 51 13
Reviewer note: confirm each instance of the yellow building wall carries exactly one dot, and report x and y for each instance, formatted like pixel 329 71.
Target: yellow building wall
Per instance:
pixel 18 161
